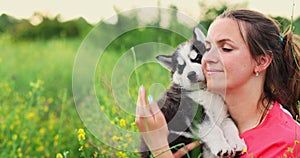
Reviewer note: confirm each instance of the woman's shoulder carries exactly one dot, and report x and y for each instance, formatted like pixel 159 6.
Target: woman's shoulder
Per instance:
pixel 278 123
pixel 277 135
pixel 283 119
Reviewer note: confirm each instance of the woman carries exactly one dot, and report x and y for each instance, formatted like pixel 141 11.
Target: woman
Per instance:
pixel 260 69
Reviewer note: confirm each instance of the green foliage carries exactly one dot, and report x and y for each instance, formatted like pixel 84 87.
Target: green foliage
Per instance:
pixel 48 28
pixel 211 12
pixel 7 22
pixel 50 61
pixel 297 26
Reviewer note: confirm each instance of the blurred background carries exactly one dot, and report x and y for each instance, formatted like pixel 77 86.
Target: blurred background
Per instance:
pixel 39 41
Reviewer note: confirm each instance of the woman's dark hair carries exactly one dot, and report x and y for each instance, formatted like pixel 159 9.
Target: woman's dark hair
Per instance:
pixel 263 36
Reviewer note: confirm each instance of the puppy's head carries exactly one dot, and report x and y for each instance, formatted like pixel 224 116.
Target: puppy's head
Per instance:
pixel 185 62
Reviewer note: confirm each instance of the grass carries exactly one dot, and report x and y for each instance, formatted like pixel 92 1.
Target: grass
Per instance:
pixel 38 117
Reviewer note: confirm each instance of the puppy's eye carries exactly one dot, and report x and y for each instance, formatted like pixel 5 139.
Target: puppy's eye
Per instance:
pixel 193 55
pixel 197 58
pixel 207 49
pixel 207 46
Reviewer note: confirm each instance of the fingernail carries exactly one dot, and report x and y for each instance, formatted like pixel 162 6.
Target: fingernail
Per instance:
pixel 150 99
pixel 141 87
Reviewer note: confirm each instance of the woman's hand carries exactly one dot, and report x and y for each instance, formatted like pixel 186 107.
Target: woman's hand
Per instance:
pixel 152 124
pixel 153 127
pixel 189 147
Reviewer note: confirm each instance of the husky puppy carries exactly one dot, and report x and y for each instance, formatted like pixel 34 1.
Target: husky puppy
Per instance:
pixel 186 95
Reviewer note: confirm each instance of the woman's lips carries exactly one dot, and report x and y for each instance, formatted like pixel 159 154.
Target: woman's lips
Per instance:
pixel 213 71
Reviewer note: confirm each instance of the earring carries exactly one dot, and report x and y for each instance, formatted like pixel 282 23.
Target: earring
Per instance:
pixel 256 73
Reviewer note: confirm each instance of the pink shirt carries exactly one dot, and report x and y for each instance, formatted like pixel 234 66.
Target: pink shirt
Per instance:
pixel 277 136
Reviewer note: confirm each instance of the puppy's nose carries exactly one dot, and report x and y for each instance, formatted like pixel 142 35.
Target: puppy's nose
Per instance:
pixel 192 76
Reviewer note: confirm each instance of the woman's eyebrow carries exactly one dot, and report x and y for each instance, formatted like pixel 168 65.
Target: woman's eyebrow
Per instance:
pixel 225 40
pixel 221 41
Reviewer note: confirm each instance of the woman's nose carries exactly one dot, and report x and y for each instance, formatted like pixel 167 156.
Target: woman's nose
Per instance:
pixel 212 55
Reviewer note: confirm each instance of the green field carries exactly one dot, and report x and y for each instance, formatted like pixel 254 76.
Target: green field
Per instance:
pixel 38 115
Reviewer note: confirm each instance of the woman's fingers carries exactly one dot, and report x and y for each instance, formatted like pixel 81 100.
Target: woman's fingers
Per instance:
pixel 154 109
pixel 151 122
pixel 189 147
pixel 142 110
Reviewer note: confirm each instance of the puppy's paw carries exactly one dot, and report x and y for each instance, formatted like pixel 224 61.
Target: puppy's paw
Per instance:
pixel 237 144
pixel 222 149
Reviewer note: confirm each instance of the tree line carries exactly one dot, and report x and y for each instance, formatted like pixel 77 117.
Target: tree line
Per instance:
pixel 48 28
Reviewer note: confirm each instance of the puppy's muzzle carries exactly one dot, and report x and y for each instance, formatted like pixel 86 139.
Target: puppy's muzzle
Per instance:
pixel 192 76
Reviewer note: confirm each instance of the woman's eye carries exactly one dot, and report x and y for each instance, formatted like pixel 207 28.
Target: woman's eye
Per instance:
pixel 227 49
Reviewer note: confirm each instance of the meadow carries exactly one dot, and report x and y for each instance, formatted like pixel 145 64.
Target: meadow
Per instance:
pixel 38 114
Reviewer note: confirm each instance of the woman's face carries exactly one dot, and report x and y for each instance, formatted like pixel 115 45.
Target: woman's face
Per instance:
pixel 227 63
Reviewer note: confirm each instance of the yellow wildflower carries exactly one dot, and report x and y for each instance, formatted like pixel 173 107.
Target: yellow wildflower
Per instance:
pixel 40 148
pixel 122 123
pixel 103 152
pixel 37 84
pixel 1 60
pixel 19 150
pixel 42 131
pixel 46 108
pixel 132 124
pixel 81 137
pixel 59 155
pixel 30 115
pixel 81 131
pixel 102 107
pixel 50 100
pixel 121 154
pixel 245 150
pixel 81 134
pixel 24 137
pixel 115 138
pixel 56 137
pixel 80 148
pixel 15 137
pixel 95 154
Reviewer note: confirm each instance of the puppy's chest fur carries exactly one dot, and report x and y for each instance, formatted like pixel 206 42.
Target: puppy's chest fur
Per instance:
pixel 181 113
pixel 176 102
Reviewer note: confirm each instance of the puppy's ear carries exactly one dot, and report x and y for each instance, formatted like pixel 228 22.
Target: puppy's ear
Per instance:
pixel 165 61
pixel 198 35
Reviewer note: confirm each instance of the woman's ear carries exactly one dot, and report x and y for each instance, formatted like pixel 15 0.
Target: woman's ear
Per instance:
pixel 263 62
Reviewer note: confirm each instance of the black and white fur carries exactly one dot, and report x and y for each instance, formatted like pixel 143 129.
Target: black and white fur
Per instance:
pixel 216 131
